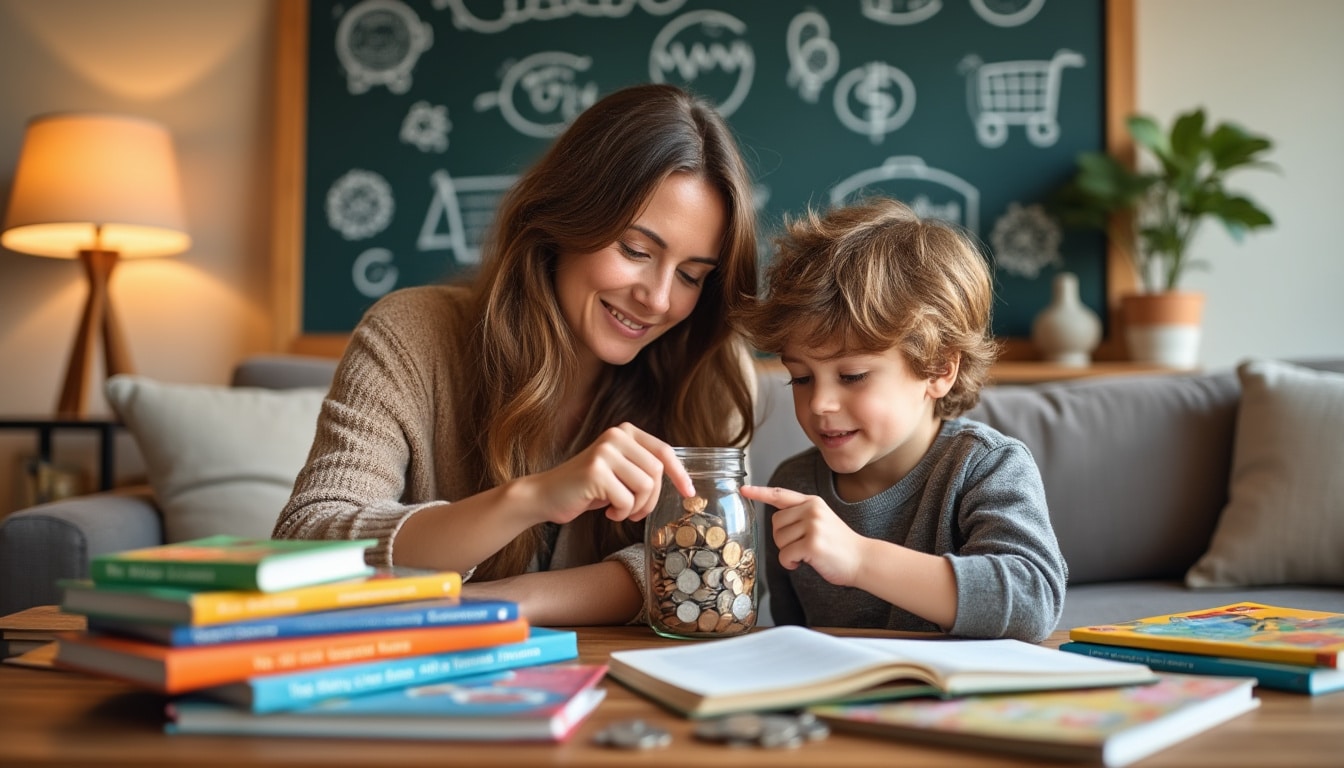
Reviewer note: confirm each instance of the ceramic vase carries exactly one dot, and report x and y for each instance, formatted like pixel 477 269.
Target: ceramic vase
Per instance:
pixel 1067 330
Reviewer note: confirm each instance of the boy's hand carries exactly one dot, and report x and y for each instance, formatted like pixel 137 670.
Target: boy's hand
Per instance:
pixel 806 530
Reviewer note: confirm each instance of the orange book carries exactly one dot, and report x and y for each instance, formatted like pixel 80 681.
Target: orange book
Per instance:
pixel 175 670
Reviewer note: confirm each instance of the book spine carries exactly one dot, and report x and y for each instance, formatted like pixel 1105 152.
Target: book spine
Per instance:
pixel 223 607
pixel 1283 677
pixel 178 670
pixel 274 693
pixel 1305 657
pixel 415 616
pixel 188 575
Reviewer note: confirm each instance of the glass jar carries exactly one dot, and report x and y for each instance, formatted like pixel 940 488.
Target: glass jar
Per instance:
pixel 700 552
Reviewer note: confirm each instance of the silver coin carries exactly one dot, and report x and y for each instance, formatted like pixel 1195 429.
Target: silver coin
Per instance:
pixel 633 734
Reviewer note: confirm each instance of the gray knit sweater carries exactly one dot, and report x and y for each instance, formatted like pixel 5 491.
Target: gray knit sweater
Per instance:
pixel 392 426
pixel 975 498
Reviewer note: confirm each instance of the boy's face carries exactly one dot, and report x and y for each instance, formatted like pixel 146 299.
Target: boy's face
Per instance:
pixel 868 414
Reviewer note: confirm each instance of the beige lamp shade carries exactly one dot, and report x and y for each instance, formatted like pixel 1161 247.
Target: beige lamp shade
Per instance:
pixel 99 182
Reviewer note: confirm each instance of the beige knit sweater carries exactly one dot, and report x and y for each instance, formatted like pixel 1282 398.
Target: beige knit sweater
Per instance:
pixel 391 427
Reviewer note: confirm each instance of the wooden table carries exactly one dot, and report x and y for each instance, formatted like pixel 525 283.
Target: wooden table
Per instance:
pixel 64 718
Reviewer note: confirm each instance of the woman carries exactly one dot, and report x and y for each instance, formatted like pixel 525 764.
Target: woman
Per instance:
pixel 518 430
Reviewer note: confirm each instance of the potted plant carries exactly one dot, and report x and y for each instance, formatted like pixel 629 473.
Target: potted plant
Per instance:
pixel 1153 213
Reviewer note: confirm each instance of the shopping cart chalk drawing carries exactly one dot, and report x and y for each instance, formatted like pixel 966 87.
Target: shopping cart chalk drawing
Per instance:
pixel 1006 93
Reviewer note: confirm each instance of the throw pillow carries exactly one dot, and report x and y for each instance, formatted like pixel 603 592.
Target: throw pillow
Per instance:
pixel 219 459
pixel 1284 520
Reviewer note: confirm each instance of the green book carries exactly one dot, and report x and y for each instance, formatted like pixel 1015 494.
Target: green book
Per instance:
pixel 235 563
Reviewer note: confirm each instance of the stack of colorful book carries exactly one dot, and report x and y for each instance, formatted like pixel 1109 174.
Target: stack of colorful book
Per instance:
pixel 301 637
pixel 1288 649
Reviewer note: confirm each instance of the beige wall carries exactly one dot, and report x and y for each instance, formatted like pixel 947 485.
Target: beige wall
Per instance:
pixel 203 69
pixel 1276 68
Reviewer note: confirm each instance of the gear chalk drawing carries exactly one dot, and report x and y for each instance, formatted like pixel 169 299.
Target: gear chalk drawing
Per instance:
pixel 359 204
pixel 1025 241
pixel 426 127
pixel 378 42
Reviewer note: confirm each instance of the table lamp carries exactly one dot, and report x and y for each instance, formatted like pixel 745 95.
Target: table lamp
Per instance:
pixel 97 187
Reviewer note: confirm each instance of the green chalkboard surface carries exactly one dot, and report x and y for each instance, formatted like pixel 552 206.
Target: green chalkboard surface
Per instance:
pixel 420 113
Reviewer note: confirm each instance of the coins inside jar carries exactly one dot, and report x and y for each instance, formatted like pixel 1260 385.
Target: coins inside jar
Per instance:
pixel 702 579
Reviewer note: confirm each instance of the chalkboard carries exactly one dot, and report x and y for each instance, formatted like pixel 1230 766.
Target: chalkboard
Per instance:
pixel 420 113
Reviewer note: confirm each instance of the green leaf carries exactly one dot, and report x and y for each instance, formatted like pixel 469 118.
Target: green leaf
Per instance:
pixel 1187 137
pixel 1231 147
pixel 1149 135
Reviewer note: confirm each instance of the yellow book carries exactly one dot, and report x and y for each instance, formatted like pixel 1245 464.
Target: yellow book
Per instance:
pixel 184 606
pixel 1240 631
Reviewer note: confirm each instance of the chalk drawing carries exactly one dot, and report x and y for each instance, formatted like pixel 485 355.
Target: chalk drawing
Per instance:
pixel 360 204
pixel 547 83
pixel 879 110
pixel 899 12
pixel 1007 13
pixel 466 206
pixel 378 42
pixel 1008 93
pixel 924 189
pixel 813 56
pixel 426 127
pixel 374 272
pixel 701 43
pixel 514 12
pixel 1025 241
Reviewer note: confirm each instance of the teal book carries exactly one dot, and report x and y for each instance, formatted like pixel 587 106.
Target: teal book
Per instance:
pixel 415 615
pixel 1283 677
pixel 542 704
pixel 293 690
pixel 235 563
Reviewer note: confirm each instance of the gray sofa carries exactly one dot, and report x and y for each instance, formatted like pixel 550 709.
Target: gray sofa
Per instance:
pixel 1136 471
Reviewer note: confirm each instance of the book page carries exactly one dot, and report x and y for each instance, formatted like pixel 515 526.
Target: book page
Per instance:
pixel 1000 657
pixel 778 658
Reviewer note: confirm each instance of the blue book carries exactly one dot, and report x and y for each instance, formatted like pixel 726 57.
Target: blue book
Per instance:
pixel 292 690
pixel 543 703
pixel 1283 677
pixel 418 615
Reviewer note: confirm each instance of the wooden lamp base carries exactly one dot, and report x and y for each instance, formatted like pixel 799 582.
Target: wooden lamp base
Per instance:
pixel 98 314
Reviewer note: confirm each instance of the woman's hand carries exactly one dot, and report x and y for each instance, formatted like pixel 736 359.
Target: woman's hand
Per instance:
pixel 622 471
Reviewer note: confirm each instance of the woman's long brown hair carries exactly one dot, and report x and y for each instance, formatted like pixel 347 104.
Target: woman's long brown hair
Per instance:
pixel 688 387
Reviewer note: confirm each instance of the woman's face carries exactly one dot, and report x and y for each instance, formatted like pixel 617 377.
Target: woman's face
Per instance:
pixel 618 299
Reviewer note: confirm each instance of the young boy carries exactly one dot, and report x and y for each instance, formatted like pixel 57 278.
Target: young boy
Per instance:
pixel 903 516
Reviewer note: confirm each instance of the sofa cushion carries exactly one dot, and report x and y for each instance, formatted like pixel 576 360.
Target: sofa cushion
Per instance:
pixel 220 459
pixel 1135 467
pixel 1284 521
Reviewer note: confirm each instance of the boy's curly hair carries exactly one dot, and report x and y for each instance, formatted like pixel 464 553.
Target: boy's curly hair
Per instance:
pixel 872 276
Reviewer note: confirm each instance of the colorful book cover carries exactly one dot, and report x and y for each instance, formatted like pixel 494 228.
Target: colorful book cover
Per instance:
pixel 235 562
pixel 545 703
pixel 1283 677
pixel 445 612
pixel 1110 726
pixel 175 670
pixel 292 690
pixel 171 605
pixel 1240 630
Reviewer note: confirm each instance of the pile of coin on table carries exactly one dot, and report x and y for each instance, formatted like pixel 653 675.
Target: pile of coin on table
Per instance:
pixel 772 731
pixel 702 578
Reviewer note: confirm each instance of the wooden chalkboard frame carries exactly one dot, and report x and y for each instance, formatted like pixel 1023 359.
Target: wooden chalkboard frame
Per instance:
pixel 288 167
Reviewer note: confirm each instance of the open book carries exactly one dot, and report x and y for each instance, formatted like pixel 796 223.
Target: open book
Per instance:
pixel 785 667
